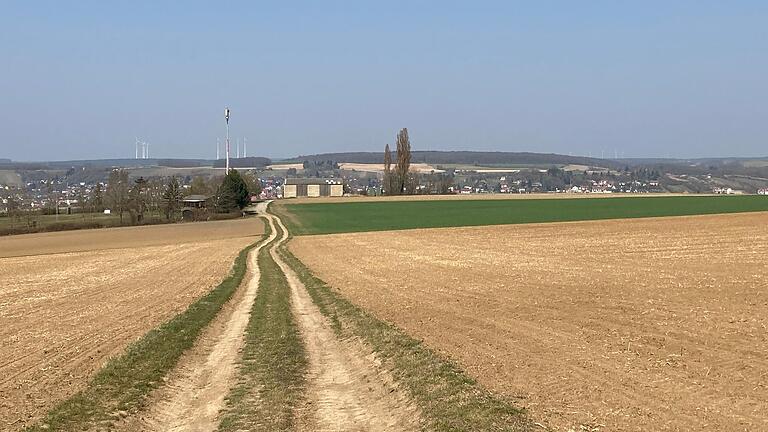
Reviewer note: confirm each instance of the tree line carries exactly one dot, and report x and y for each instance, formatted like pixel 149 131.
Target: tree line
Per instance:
pixel 226 195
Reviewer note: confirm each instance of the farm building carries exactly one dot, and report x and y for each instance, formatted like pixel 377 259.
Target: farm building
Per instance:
pixel 313 187
pixel 194 207
pixel 195 201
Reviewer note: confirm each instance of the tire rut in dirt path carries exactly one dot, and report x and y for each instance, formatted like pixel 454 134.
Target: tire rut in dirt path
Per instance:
pixel 347 389
pixel 194 392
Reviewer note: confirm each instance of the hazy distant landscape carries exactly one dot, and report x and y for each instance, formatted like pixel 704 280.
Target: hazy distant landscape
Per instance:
pixel 27 183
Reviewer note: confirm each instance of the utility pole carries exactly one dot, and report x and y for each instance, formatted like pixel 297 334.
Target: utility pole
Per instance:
pixel 226 117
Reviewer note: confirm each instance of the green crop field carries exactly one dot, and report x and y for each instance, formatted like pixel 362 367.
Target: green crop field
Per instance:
pixel 327 218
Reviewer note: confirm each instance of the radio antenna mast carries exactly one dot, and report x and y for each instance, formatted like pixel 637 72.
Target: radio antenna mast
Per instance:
pixel 226 117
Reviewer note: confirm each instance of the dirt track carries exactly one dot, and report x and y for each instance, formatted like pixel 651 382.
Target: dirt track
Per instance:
pixel 63 315
pixel 194 392
pixel 347 391
pixel 655 324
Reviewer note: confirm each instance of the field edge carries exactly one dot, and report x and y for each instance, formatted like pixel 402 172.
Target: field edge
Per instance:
pixel 448 398
pixel 121 386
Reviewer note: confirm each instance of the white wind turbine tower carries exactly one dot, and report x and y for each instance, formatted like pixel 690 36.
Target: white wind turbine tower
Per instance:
pixel 245 148
pixel 217 148
pixel 142 149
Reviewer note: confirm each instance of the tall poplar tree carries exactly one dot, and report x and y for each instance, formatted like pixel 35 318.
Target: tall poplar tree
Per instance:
pixel 403 160
pixel 388 178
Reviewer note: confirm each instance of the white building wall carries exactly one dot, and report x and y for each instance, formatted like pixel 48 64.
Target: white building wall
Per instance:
pixel 289 191
pixel 313 190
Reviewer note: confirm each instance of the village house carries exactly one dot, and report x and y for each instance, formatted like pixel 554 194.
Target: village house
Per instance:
pixel 723 191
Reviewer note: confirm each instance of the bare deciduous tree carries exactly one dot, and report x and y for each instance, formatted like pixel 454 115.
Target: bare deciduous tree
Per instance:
pixel 117 191
pixel 172 197
pixel 96 201
pixel 199 186
pixel 138 200
pixel 399 180
pixel 403 160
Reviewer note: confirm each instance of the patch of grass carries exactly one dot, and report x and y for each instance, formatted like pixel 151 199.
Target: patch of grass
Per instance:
pixel 449 399
pixel 327 218
pixel 124 382
pixel 271 378
pixel 29 223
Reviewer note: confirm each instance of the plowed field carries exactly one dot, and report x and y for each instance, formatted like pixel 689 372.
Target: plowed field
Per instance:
pixel 62 315
pixel 645 324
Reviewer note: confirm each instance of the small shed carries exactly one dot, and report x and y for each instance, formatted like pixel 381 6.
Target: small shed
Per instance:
pixel 193 206
pixel 313 187
pixel 195 201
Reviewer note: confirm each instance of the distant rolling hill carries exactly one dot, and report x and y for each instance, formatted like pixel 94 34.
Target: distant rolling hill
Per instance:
pixel 466 158
pixel 8 164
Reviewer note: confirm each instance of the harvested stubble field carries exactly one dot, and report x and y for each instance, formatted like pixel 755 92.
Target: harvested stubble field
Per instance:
pixel 64 314
pixel 652 324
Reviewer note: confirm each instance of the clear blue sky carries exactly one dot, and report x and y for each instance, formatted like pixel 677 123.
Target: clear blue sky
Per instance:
pixel 676 78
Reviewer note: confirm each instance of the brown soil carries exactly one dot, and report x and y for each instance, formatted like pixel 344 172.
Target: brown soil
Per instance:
pixel 653 324
pixel 194 392
pixel 348 390
pixel 63 315
pixel 127 237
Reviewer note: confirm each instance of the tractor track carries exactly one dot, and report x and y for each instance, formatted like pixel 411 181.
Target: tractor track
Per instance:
pixel 194 392
pixel 347 388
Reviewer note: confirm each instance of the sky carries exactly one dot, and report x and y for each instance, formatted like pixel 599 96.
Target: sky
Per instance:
pixel 83 79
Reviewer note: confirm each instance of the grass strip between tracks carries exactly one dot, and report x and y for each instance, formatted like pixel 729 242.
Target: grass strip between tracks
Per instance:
pixel 448 398
pixel 121 386
pixel 271 378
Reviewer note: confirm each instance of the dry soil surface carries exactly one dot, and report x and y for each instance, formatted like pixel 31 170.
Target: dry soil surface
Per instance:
pixel 194 392
pixel 127 237
pixel 62 315
pixel 347 389
pixel 653 324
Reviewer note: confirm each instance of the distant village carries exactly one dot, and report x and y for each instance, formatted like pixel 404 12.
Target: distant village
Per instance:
pixel 81 189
